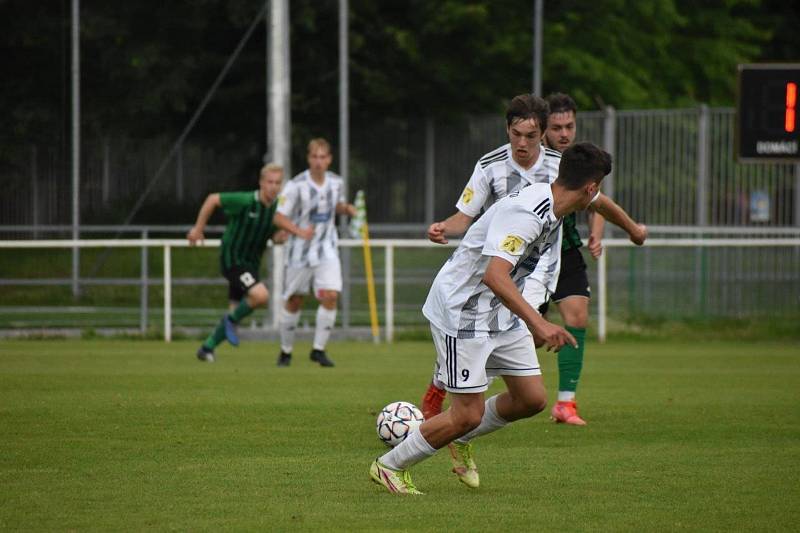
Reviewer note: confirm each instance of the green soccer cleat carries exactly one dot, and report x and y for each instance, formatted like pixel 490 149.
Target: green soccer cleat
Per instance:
pixel 395 481
pixel 463 464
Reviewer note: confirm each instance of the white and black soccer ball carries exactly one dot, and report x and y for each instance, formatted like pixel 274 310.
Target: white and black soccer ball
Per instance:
pixel 396 421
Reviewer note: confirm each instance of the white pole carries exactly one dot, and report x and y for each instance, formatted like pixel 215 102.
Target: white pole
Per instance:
pixel 537 47
pixel 344 149
pixel 167 293
pixel 389 288
pixel 277 285
pixel 279 86
pixel 76 141
pixel 344 97
pixel 601 296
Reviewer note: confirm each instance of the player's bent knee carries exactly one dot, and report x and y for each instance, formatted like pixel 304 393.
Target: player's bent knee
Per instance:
pixel 328 299
pixel 578 321
pixel 258 296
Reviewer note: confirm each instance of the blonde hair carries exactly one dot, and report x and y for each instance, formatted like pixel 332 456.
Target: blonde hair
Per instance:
pixel 271 167
pixel 320 143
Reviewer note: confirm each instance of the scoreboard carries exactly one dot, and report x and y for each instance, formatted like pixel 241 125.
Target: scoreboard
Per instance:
pixel 767 126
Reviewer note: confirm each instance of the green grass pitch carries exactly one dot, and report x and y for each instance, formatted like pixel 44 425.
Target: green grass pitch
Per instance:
pixel 138 435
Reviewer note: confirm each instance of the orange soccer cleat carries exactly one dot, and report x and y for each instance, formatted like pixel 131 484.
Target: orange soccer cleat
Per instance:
pixel 566 413
pixel 432 401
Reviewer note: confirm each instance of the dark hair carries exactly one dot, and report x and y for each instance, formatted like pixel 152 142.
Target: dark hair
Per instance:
pixel 581 163
pixel 561 103
pixel 527 106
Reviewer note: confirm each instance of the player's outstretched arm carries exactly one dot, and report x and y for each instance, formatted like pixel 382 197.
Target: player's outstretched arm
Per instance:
pixel 343 208
pixel 284 223
pixel 195 234
pixel 617 216
pixel 497 277
pixel 455 224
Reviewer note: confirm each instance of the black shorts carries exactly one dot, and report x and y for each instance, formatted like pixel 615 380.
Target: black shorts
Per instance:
pixel 240 280
pixel 572 281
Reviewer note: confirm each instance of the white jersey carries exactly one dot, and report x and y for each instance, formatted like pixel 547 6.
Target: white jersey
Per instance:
pixel 520 229
pixel 497 175
pixel 307 203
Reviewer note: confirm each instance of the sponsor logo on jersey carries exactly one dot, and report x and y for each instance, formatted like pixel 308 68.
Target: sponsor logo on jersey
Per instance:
pixel 467 195
pixel 512 244
pixel 318 218
pixel 281 199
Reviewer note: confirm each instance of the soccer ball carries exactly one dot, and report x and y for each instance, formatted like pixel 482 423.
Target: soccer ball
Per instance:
pixel 396 421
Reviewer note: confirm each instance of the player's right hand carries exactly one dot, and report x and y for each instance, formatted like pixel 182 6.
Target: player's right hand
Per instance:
pixel 195 235
pixel 554 337
pixel 436 233
pixel 640 235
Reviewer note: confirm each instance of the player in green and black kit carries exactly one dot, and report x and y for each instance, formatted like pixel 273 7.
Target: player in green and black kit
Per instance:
pixel 252 220
pixel 572 292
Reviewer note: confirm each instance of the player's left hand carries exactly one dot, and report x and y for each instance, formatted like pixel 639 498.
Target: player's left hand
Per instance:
pixel 595 246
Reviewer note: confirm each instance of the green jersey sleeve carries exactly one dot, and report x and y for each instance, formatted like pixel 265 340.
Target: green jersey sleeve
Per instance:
pixel 234 203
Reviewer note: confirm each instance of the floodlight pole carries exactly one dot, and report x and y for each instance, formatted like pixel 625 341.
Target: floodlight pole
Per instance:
pixel 344 96
pixel 344 147
pixel 279 120
pixel 279 86
pixel 76 142
pixel 538 9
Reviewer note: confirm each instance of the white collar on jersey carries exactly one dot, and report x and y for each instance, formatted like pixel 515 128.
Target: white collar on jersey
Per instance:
pixel 314 183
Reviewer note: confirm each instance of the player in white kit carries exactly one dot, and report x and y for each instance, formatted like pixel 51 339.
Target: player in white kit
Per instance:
pixel 509 168
pixel 481 324
pixel 313 197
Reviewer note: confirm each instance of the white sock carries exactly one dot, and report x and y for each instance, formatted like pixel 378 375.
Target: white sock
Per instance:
pixel 288 325
pixel 408 453
pixel 566 396
pixel 491 421
pixel 326 318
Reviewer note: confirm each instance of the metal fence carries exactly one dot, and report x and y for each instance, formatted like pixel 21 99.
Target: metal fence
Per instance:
pixel 672 167
pixel 674 170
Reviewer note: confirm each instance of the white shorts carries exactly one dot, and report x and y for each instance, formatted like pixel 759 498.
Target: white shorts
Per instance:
pixel 327 276
pixel 465 365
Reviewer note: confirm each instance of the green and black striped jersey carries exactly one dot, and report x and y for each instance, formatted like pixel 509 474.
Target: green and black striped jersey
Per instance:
pixel 572 239
pixel 248 228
